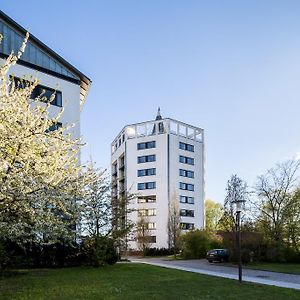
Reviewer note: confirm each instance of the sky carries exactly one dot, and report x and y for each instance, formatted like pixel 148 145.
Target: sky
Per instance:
pixel 229 67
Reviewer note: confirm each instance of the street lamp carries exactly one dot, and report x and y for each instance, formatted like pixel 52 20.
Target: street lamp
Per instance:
pixel 239 205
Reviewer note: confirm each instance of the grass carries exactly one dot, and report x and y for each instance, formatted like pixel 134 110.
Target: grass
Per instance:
pixel 276 267
pixel 131 281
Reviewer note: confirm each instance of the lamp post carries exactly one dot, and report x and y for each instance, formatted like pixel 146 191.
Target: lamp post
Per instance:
pixel 238 208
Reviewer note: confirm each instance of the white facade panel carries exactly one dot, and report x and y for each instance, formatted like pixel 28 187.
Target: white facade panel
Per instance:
pixel 70 94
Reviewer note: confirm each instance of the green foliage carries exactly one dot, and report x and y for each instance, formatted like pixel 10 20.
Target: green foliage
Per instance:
pixel 213 214
pixel 100 251
pixel 196 243
pixel 128 281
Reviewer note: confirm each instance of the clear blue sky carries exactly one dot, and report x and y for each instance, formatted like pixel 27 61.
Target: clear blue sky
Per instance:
pixel 230 67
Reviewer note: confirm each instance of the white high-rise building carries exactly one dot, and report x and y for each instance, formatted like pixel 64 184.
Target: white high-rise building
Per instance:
pixel 160 161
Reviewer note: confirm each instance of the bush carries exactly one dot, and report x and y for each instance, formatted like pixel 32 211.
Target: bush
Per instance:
pixel 196 243
pixel 100 251
pixel 158 252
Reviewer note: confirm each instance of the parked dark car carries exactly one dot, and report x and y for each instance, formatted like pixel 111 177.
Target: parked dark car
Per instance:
pixel 220 255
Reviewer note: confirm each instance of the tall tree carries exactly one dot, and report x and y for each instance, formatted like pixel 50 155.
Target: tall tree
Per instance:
pixel 96 209
pixel 213 214
pixel 40 175
pixel 275 201
pixel 236 189
pixel 174 229
pixel 143 232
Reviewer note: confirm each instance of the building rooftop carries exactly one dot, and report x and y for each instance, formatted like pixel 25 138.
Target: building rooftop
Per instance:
pixel 158 126
pixel 39 56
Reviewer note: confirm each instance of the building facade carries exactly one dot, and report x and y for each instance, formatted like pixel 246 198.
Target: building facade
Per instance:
pixel 161 162
pixel 53 72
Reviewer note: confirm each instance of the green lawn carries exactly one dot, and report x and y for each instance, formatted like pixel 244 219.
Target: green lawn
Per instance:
pixel 131 281
pixel 276 267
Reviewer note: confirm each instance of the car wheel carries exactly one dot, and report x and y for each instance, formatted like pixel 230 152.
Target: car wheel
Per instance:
pixel 210 261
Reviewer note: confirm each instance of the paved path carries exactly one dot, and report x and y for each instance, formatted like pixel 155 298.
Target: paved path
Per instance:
pixel 202 266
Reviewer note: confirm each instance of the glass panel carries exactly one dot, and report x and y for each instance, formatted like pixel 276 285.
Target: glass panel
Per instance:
pixel 39 57
pixel 199 136
pixel 182 130
pixel 191 133
pixel 151 129
pixel 32 54
pixel 6 39
pixel 46 61
pixel 130 132
pixel 141 130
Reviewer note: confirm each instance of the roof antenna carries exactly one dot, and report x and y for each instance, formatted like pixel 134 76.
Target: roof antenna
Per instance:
pixel 158 116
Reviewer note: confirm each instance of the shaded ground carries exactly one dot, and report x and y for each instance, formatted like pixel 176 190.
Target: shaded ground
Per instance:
pixel 132 281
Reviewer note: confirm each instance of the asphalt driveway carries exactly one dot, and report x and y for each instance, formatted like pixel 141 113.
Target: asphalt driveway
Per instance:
pixel 202 266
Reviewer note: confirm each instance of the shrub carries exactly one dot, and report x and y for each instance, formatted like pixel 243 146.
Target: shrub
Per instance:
pixel 196 243
pixel 100 251
pixel 158 252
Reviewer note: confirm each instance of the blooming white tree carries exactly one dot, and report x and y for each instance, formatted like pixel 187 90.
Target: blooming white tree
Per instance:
pixel 40 174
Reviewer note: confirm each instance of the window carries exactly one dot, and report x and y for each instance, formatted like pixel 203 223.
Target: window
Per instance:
pixel 40 90
pixel 146 185
pixel 146 199
pixel 186 160
pixel 146 158
pixel 151 225
pixel 187 147
pixel 54 127
pixel 186 173
pixel 146 172
pixel 147 212
pixel 186 199
pixel 146 145
pixel 187 226
pixel 147 225
pixel 148 239
pixel 186 186
pixel 122 163
pixel 186 213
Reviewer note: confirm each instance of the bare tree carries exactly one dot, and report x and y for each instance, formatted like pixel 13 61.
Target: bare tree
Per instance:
pixel 174 225
pixel 236 190
pixel 143 232
pixel 274 190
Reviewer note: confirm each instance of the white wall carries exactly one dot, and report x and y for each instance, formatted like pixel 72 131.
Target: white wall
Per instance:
pixel 161 190
pixel 70 94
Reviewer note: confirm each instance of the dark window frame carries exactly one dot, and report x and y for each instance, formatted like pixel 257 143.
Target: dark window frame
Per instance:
pixel 150 185
pixel 186 160
pixel 186 173
pixel 187 199
pixel 186 147
pixel 146 172
pixel 38 90
pixel 186 186
pixel 146 158
pixel 146 145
